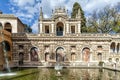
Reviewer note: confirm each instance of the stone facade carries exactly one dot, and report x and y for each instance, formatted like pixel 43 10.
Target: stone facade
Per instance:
pixel 5 48
pixel 60 40
pixel 12 22
pixel 9 24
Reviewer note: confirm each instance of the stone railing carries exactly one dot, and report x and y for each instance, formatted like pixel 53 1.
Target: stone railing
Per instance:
pixel 80 36
pixel 95 35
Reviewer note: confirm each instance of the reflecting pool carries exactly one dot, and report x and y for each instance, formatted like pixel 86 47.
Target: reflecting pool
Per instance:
pixel 66 74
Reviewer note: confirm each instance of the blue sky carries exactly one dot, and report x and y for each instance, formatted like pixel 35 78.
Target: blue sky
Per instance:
pixel 28 10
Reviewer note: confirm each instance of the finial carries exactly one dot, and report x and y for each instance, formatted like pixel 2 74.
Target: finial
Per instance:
pixel 52 10
pixel 41 14
pixel 40 9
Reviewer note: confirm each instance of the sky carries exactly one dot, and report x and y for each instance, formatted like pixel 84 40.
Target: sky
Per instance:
pixel 28 10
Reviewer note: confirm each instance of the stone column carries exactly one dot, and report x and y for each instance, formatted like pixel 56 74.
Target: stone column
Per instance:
pixel 81 56
pixel 116 48
pixel 119 48
pixel 67 28
pixel 79 27
pixel 90 57
pixel 52 25
pixel 41 31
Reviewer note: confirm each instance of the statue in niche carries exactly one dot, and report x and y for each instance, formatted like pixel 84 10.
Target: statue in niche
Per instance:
pixel 86 55
pixel 34 54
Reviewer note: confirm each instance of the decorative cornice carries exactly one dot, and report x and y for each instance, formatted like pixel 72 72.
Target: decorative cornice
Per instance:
pixel 8 16
pixel 81 37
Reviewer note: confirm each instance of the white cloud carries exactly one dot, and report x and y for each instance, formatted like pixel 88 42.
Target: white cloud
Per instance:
pixel 46 16
pixel 94 5
pixel 35 27
pixel 23 2
pixel 87 5
pixel 28 10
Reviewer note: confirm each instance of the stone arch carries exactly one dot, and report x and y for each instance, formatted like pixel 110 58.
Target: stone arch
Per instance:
pixel 72 29
pixel 47 29
pixel 117 60
pixel 99 47
pixel 59 29
pixel 6 46
pixel 47 56
pixel 1 27
pixel 110 59
pixel 86 54
pixel 34 54
pixel 99 55
pixel 8 27
pixel 60 55
pixel 112 47
pixel 21 58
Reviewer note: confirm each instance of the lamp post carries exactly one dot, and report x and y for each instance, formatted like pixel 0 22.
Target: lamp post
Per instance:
pixel 5 53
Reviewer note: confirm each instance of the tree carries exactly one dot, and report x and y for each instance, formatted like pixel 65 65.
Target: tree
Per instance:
pixel 117 28
pixel 106 20
pixel 28 28
pixel 76 6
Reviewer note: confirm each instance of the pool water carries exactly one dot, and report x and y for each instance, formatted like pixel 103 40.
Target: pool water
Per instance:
pixel 64 74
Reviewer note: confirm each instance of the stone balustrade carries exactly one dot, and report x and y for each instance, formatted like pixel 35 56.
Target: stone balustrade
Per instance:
pixel 70 35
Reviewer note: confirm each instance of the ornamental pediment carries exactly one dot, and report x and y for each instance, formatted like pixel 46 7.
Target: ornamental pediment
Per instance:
pixel 60 17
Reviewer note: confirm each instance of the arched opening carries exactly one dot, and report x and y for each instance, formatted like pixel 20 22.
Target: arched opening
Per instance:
pixel 8 27
pixel 99 56
pixel 99 47
pixel 110 59
pixel 34 54
pixel 117 60
pixel 21 58
pixel 2 61
pixel 1 48
pixel 1 26
pixel 6 49
pixel 21 47
pixel 52 56
pixel 73 56
pixel 72 29
pixel 47 29
pixel 60 54
pixel 118 47
pixel 47 56
pixel 6 46
pixel 112 47
pixel 86 54
pixel 59 29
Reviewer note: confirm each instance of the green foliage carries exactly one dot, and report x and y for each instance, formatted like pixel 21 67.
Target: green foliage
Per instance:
pixel 28 28
pixel 75 9
pixel 91 30
pixel 106 20
pixel 76 6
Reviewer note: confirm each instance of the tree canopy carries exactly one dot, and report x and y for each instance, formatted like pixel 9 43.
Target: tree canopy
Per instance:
pixel 76 7
pixel 28 28
pixel 106 20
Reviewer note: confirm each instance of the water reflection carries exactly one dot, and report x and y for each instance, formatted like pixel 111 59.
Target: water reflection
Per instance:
pixel 67 74
pixel 79 74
